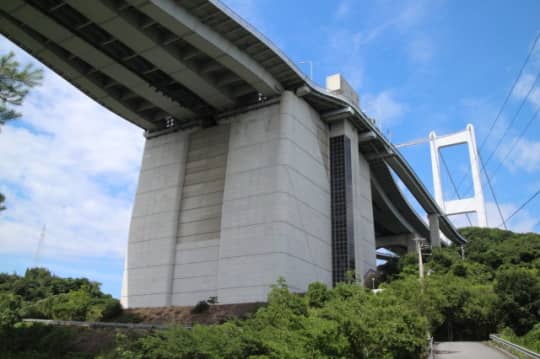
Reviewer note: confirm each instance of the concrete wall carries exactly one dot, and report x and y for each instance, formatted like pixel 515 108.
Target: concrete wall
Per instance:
pixel 151 248
pixel 276 208
pixel 226 211
pixel 199 225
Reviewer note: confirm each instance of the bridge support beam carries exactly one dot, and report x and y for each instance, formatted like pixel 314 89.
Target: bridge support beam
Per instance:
pixel 400 243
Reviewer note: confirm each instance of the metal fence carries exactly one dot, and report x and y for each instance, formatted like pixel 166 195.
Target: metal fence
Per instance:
pixel 513 348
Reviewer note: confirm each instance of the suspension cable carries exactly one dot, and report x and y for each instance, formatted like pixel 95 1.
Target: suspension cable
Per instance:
pixel 522 206
pixel 453 183
pixel 492 192
pixel 515 142
pixel 533 86
pixel 527 58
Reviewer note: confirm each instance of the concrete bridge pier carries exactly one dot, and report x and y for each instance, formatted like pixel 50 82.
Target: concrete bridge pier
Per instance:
pixel 434 231
pixel 225 211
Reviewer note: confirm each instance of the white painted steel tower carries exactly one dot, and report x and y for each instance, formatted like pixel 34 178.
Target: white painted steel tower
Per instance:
pixel 463 205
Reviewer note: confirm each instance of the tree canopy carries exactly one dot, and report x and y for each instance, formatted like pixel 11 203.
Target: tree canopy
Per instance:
pixel 40 294
pixel 15 83
pixel 458 299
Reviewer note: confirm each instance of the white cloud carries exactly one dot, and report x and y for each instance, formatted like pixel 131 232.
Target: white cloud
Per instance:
pixel 343 9
pixel 412 14
pixel 524 85
pixel 383 107
pixel 69 164
pixel 524 155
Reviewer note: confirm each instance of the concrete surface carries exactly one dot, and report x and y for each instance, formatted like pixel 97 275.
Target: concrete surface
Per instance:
pixel 227 210
pixel 276 206
pixel 467 350
pixel 150 257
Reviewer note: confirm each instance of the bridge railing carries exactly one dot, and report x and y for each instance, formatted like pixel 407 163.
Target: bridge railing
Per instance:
pixel 513 348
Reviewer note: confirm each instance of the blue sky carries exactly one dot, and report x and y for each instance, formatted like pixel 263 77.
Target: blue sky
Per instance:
pixel 418 66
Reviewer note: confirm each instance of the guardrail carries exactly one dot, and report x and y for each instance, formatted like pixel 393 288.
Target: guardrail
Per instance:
pixel 514 348
pixel 74 323
pixel 430 347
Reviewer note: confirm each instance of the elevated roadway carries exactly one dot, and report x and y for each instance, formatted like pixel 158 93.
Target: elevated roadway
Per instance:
pixel 168 65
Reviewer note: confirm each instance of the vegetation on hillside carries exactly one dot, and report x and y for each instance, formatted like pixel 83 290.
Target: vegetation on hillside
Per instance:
pixel 496 288
pixel 40 294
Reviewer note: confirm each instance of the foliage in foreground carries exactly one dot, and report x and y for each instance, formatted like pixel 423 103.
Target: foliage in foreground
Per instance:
pixel 459 299
pixel 497 285
pixel 15 83
pixel 531 340
pixel 40 294
pixel 345 322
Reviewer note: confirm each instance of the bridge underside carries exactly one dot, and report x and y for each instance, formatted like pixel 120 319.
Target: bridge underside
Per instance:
pixel 250 170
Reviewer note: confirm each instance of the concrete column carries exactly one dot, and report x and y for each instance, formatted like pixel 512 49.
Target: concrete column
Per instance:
pixel 360 225
pixel 434 232
pixel 412 247
pixel 150 256
pixel 276 205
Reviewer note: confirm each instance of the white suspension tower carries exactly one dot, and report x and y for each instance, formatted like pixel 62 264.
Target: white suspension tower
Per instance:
pixel 463 205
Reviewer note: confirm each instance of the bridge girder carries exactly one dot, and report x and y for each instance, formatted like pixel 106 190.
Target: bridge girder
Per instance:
pixel 169 65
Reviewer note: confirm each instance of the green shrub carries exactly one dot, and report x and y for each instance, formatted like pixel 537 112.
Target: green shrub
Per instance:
pixel 200 307
pixel 77 305
pixel 317 294
pixel 345 322
pixel 531 340
pixel 10 305
pixel 35 341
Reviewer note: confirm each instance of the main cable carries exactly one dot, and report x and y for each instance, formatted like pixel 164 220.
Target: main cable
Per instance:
pixel 529 92
pixel 492 192
pixel 522 206
pixel 516 142
pixel 531 50
pixel 533 86
pixel 527 58
pixel 453 184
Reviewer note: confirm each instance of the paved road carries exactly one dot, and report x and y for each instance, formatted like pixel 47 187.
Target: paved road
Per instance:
pixel 466 350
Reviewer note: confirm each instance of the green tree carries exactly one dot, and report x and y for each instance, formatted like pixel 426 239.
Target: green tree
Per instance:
pixel 15 83
pixel 9 309
pixel 519 293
